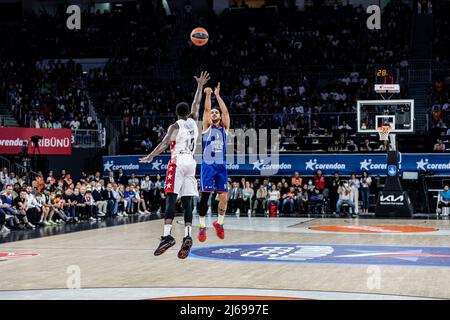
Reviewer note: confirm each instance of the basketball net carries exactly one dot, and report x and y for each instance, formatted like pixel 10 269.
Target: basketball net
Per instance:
pixel 384 131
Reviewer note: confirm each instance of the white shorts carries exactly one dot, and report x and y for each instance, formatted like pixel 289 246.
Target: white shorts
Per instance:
pixel 180 176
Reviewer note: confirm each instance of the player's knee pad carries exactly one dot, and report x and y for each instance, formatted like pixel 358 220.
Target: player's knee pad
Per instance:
pixel 187 206
pixel 203 206
pixel 171 202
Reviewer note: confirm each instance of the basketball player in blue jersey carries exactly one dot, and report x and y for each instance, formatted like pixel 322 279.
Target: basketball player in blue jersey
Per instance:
pixel 214 176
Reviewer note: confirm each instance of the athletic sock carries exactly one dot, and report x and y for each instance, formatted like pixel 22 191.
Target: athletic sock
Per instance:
pixel 167 229
pixel 202 221
pixel 220 219
pixel 187 231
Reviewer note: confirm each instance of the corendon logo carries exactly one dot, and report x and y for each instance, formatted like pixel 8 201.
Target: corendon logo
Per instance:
pixel 259 165
pixel 368 165
pixel 110 166
pixel 313 165
pixel 424 165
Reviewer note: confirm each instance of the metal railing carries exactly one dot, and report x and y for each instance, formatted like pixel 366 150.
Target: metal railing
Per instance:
pixel 88 138
pixel 2 121
pixel 5 163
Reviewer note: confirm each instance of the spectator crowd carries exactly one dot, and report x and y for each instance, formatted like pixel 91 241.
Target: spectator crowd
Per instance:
pixel 57 199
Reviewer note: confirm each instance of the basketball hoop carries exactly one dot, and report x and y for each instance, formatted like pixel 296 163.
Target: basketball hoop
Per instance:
pixel 384 131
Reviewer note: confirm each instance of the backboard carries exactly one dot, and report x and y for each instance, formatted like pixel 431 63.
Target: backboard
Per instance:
pixel 399 114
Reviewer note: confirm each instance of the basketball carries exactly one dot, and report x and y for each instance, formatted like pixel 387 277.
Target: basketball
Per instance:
pixel 199 37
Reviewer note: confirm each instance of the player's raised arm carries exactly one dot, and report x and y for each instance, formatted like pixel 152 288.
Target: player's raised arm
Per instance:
pixel 165 142
pixel 207 112
pixel 223 108
pixel 201 81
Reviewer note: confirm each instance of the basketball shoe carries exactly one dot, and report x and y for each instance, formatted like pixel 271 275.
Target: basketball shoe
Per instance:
pixel 185 248
pixel 166 243
pixel 219 229
pixel 202 234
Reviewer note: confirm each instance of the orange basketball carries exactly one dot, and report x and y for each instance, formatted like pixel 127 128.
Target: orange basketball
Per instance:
pixel 199 36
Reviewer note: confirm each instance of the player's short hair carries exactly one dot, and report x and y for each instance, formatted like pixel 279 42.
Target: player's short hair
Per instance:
pixel 182 109
pixel 218 109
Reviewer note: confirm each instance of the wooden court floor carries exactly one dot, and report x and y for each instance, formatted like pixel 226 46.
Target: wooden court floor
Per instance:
pixel 121 257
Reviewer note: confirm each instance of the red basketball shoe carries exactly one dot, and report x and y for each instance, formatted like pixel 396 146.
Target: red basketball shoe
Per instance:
pixel 219 229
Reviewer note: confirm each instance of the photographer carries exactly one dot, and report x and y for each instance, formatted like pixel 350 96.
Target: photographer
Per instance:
pixel 345 196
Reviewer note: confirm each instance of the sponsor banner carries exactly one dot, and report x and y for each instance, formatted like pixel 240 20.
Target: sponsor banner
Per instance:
pixel 53 142
pixel 328 254
pixel 287 164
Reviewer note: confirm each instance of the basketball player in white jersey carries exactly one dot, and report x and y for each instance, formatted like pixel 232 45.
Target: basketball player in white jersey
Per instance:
pixel 180 176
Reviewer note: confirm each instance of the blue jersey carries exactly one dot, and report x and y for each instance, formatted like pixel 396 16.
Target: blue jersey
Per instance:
pixel 214 145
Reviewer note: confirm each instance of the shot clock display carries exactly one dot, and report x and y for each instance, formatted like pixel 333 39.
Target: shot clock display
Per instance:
pixel 386 76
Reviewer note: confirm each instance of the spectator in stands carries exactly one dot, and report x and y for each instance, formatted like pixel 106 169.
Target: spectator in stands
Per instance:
pixel 366 146
pixel 319 181
pixel 133 180
pixel 273 196
pixel 383 146
pixel 146 145
pixel 142 207
pixel 111 202
pixel 334 191
pixel 3 178
pixel 351 146
pixel 122 177
pixel 296 179
pixel 110 178
pixel 439 146
pixel 366 181
pixel 70 206
pixel 355 184
pixel 67 180
pixel 261 198
pixel 100 202
pixel 50 182
pixel 11 179
pixel 247 198
pixel 444 200
pixel 21 206
pixel 235 198
pixel 345 196
pixel 146 187
pixel 91 208
pixel 289 200
pixel 315 202
pixel 124 201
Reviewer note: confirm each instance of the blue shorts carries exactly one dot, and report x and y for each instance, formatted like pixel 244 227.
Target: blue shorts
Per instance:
pixel 214 177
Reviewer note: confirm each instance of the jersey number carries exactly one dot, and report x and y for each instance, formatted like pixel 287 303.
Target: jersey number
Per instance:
pixel 190 144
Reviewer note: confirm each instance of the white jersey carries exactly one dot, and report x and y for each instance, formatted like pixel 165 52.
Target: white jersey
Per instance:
pixel 186 138
pixel 180 175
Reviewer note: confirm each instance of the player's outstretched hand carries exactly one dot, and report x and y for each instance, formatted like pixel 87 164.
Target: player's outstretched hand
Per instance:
pixel 217 89
pixel 208 91
pixel 146 159
pixel 204 77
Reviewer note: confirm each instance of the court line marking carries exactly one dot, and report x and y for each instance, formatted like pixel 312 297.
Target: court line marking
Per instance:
pixel 134 293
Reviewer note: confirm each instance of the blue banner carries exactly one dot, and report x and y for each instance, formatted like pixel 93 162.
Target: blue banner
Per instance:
pixel 287 164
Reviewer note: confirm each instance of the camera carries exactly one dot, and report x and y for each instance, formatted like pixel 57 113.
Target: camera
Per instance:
pixel 36 139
